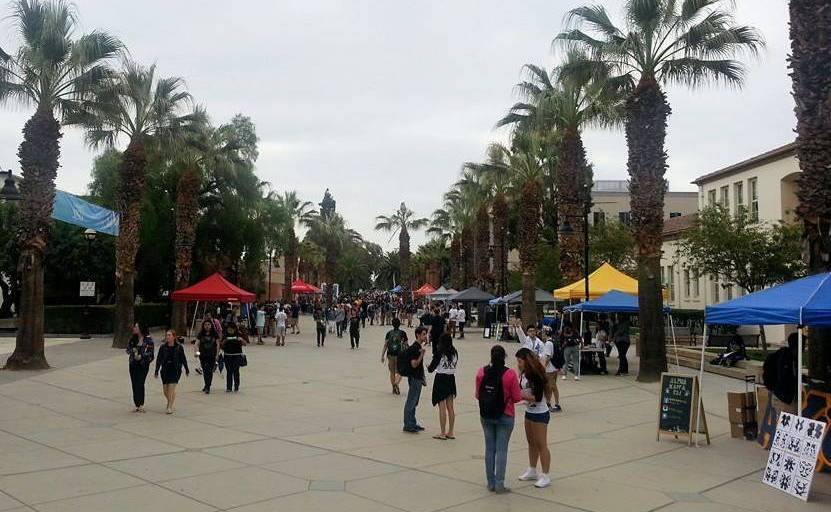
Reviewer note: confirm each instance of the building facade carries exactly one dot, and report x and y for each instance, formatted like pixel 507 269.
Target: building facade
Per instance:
pixel 610 202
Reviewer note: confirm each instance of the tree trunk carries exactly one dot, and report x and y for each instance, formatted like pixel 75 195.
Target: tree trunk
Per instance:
pixel 404 257
pixel 289 265
pixel 529 218
pixel 130 194
pixel 500 236
pixel 646 120
pixel 571 176
pixel 38 153
pixel 468 260
pixel 456 262
pixel 187 216
pixel 764 339
pixel 484 278
pixel 810 64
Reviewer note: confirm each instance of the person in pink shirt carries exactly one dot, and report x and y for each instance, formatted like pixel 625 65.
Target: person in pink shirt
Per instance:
pixel 497 390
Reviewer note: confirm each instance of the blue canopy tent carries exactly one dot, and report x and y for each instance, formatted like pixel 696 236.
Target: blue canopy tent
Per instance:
pixel 616 301
pixel 397 289
pixel 803 302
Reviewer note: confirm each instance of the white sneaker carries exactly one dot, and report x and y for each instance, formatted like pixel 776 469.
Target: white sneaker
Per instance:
pixel 576 377
pixel 543 481
pixel 530 474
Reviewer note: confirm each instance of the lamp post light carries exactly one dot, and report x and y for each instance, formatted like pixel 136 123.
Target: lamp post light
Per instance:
pixel 89 236
pixel 9 191
pixel 566 229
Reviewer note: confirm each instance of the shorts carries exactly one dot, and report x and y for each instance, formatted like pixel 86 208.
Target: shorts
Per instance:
pixel 281 330
pixel 392 364
pixel 538 417
pixel 552 379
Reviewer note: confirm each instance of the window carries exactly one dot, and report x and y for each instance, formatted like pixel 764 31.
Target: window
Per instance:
pixel 687 283
pixel 625 218
pixel 753 199
pixel 715 289
pixel 729 292
pixel 724 199
pixel 738 197
pixel 711 197
pixel 671 282
pixel 599 218
pixel 695 288
pixel 672 215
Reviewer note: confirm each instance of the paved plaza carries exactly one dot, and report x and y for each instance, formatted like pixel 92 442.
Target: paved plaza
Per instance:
pixel 318 429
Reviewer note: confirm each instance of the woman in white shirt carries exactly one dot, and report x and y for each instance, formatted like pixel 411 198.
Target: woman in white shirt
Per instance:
pixel 533 385
pixel 444 362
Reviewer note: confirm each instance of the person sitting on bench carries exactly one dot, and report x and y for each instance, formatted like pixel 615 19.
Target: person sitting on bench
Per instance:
pixel 735 352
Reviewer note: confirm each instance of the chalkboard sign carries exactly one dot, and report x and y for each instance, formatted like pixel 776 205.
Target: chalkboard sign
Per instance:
pixel 678 406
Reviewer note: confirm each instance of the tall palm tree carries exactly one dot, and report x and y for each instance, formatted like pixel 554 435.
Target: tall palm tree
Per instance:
pixel 477 261
pixel 298 211
pixel 690 43
pixel 205 151
pixel 54 72
pixel 401 222
pixel 147 111
pixel 330 232
pixel 810 55
pixel 452 223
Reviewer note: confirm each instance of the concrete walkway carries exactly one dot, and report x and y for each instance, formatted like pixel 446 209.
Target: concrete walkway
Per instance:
pixel 317 429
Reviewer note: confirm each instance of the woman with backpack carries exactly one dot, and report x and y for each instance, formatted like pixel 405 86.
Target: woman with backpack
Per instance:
pixel 140 350
pixel 444 362
pixel 207 350
pixel 534 385
pixel 497 390
pixel 395 342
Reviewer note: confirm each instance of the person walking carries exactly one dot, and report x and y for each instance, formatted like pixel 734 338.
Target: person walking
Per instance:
pixel 552 360
pixel 445 360
pixel 437 326
pixel 141 351
pixel 320 326
pixel 355 328
pixel 331 319
pixel 260 325
pixel 461 321
pixel 233 356
pixel 571 352
pixel 207 350
pixel 497 390
pixel 414 355
pixel 340 319
pixel 533 388
pixel 622 345
pixel 282 319
pixel 452 315
pixel 295 318
pixel 395 342
pixel 169 362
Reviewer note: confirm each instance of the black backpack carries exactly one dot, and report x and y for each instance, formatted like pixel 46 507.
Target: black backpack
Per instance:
pixel 558 358
pixel 405 369
pixel 491 394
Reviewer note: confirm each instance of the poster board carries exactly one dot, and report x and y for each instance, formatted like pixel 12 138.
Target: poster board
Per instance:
pixel 793 455
pixel 678 407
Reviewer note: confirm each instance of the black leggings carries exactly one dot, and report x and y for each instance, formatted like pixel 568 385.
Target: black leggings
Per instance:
pixel 354 338
pixel 232 372
pixel 208 364
pixel 321 336
pixel 138 374
pixel 622 348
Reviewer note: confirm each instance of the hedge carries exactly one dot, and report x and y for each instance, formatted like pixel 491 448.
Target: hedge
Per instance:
pixel 69 319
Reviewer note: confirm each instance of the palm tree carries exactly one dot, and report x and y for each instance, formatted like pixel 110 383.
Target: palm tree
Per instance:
pixel 810 55
pixel 205 151
pixel 435 253
pixel 477 261
pixel 53 72
pixel 451 223
pixel 691 43
pixel 298 211
pixel 331 233
pixel 401 222
pixel 146 111
pixel 310 258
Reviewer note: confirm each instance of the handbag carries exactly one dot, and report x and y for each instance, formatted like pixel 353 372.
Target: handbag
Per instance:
pixel 220 363
pixel 243 360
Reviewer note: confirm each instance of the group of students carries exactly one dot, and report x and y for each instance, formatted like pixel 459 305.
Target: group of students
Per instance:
pixel 275 320
pixel 214 349
pixel 498 389
pixel 338 319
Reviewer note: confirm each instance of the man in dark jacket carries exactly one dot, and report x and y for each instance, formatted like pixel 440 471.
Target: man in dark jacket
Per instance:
pixel 779 371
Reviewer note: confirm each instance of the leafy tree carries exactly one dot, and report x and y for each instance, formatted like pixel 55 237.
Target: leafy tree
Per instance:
pixel 690 43
pixel 749 254
pixel 9 254
pixel 401 222
pixel 297 212
pixel 330 233
pixel 53 71
pixel 810 33
pixel 612 242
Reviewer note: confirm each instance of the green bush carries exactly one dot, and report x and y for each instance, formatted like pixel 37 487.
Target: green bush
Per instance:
pixel 70 319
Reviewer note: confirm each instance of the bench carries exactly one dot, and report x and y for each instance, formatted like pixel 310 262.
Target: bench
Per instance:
pixel 722 340
pixel 682 335
pixel 8 324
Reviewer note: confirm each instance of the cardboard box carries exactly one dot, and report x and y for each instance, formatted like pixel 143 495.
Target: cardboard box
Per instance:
pixel 748 431
pixel 741 407
pixel 762 399
pixel 737 430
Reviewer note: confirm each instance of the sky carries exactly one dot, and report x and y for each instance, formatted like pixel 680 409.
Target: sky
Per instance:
pixel 383 100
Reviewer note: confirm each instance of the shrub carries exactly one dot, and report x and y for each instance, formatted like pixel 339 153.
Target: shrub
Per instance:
pixel 70 319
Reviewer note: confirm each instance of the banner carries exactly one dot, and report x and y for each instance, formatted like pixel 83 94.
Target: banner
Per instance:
pixel 74 210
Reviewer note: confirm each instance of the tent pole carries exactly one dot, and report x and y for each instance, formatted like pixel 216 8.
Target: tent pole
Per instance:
pixel 580 344
pixel 193 323
pixel 674 344
pixel 799 372
pixel 700 386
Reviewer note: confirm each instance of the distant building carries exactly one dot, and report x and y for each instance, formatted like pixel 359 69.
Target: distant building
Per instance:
pixel 611 202
pixel 275 282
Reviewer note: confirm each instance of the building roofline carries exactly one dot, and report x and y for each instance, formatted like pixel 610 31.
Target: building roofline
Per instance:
pixel 676 192
pixel 767 157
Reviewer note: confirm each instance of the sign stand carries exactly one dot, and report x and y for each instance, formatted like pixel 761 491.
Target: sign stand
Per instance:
pixel 679 403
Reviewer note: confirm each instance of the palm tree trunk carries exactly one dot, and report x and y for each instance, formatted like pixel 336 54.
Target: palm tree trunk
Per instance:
pixel 529 218
pixel 483 238
pixel 133 177
pixel 646 120
pixel 500 235
pixel 39 153
pixel 290 265
pixel 810 34
pixel 456 262
pixel 404 257
pixel 571 177
pixel 187 216
pixel 468 260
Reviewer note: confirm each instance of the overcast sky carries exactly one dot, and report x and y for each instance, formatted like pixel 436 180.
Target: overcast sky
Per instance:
pixel 383 100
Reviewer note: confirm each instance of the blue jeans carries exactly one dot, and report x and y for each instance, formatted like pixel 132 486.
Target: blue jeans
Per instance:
pixel 497 435
pixel 413 394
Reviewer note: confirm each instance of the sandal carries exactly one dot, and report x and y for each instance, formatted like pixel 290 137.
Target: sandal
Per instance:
pixel 440 437
pixel 449 437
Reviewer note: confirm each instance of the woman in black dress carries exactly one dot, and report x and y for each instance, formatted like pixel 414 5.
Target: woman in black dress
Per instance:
pixel 232 350
pixel 170 361
pixel 207 350
pixel 140 352
pixel 445 359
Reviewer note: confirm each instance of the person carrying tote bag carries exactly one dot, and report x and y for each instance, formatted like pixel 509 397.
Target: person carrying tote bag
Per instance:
pixel 233 356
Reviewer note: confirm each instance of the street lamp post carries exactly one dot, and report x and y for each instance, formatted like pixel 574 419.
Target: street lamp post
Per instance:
pixel 89 235
pixel 566 229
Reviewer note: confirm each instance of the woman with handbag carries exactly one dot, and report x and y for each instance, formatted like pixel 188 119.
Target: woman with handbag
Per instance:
pixel 140 351
pixel 233 356
pixel 169 362
pixel 207 350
